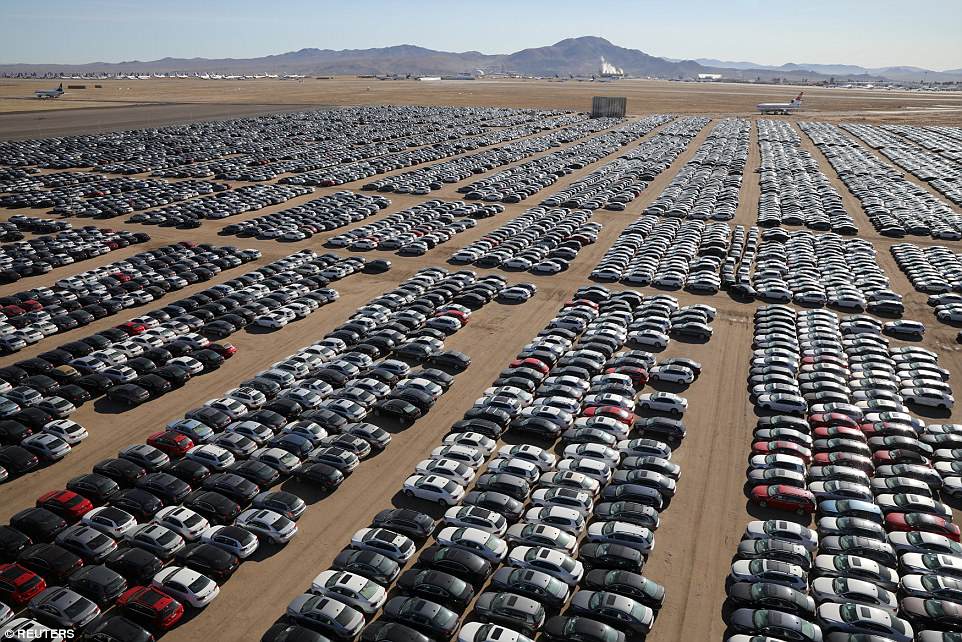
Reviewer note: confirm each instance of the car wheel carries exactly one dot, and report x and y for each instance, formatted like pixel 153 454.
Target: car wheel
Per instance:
pixel 800 511
pixel 674 412
pixel 763 504
pixel 408 492
pixel 443 503
pixel 645 406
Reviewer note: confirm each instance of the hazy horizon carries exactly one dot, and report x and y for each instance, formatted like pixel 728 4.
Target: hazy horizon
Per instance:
pixel 815 32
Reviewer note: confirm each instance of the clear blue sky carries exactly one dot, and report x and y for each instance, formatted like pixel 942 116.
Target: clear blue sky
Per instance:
pixel 868 32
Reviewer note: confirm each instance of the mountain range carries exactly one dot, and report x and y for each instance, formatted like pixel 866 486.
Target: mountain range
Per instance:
pixel 573 56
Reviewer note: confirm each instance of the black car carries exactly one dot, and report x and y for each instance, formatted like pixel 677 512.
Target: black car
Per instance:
pixel 124 472
pixel 373 566
pixel 128 394
pixel 190 471
pixel 98 583
pixel 285 632
pixel 168 488
pixel 153 384
pixel 74 394
pixel 18 460
pixel 232 486
pixel 255 472
pixel 536 585
pixel 405 412
pixel 97 488
pixel 426 616
pixel 406 521
pixel 209 359
pixel 438 586
pixel 507 506
pixel 39 524
pixel 210 416
pixel 637 587
pixel 13 432
pixel 275 421
pixel 95 384
pixel 579 629
pixel 450 360
pixel 324 476
pixel 135 564
pixel 218 509
pixel 458 562
pixel 117 629
pixel 138 502
pixel 52 562
pixel 12 541
pixel 509 485
pixel 767 595
pixel 611 556
pixel 516 612
pixel 214 562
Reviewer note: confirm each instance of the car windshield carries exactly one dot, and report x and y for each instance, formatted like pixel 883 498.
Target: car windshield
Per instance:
pixel 369 591
pixel 198 585
pixel 75 609
pixel 568 565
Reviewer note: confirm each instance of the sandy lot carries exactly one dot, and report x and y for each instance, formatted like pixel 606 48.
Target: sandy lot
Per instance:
pixel 701 529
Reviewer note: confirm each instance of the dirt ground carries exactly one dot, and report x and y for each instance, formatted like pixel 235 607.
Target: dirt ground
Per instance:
pixel 644 96
pixel 699 531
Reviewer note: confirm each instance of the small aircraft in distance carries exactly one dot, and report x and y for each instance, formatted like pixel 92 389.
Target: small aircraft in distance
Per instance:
pixel 49 93
pixel 781 108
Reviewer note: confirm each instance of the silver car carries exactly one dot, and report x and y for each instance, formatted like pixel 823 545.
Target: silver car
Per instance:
pixel 66 608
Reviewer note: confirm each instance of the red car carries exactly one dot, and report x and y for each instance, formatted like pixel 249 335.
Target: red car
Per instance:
pixel 226 350
pixel 921 522
pixel 121 276
pixel 19 585
pixel 457 314
pixel 844 459
pixel 190 244
pixel 614 412
pixel 844 432
pixel 12 310
pixel 823 358
pixel 530 363
pixel 782 497
pixel 65 503
pixel 31 305
pixel 570 303
pixel 638 376
pixel 898 456
pixel 151 606
pixel 782 447
pixel 132 328
pixel 885 428
pixel 831 419
pixel 172 443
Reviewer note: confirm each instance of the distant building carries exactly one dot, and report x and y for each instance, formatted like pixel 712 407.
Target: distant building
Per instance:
pixel 608 70
pixel 709 77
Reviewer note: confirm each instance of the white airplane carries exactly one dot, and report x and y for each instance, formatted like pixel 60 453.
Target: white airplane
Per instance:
pixel 781 108
pixel 49 93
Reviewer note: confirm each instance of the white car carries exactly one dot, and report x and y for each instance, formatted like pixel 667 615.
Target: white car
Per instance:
pixel 250 397
pixel 592 450
pixel 467 455
pixel 671 374
pixel 230 407
pixel 449 468
pixel 267 524
pixel 434 488
pixel 277 458
pixel 214 457
pixel 237 541
pixel 471 439
pixel 547 560
pixel 186 585
pixel 536 455
pixel 781 402
pixel 109 520
pixel 486 545
pixel 386 542
pixel 477 632
pixel 350 588
pixel 476 517
pixel 272 320
pixel 631 535
pixel 190 364
pixel 591 468
pixel 925 396
pixel 182 521
pixel 567 519
pixel 518 467
pixel 663 402
pixel 580 501
pixel 46 446
pixel 70 431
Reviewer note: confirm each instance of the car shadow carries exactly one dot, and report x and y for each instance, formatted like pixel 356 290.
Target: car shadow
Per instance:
pixel 929 411
pixel 667 386
pixel 691 340
pixel 256 329
pixel 400 500
pixel 105 406
pixel 308 492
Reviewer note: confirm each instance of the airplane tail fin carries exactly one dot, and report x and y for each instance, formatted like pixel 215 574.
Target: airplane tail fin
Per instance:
pixel 60 87
pixel 798 98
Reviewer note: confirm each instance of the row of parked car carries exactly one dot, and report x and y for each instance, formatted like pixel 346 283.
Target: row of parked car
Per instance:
pixel 528 558
pixel 248 198
pixel 616 183
pixel 541 241
pixel 794 191
pixel 196 498
pixel 561 129
pixel 39 255
pixel 814 270
pixel 38 225
pixel 884 559
pixel 929 156
pixel 415 230
pixel 933 269
pixel 30 316
pixel 519 182
pixel 668 253
pixel 315 138
pixel 895 206
pixel 300 222
pixel 707 187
